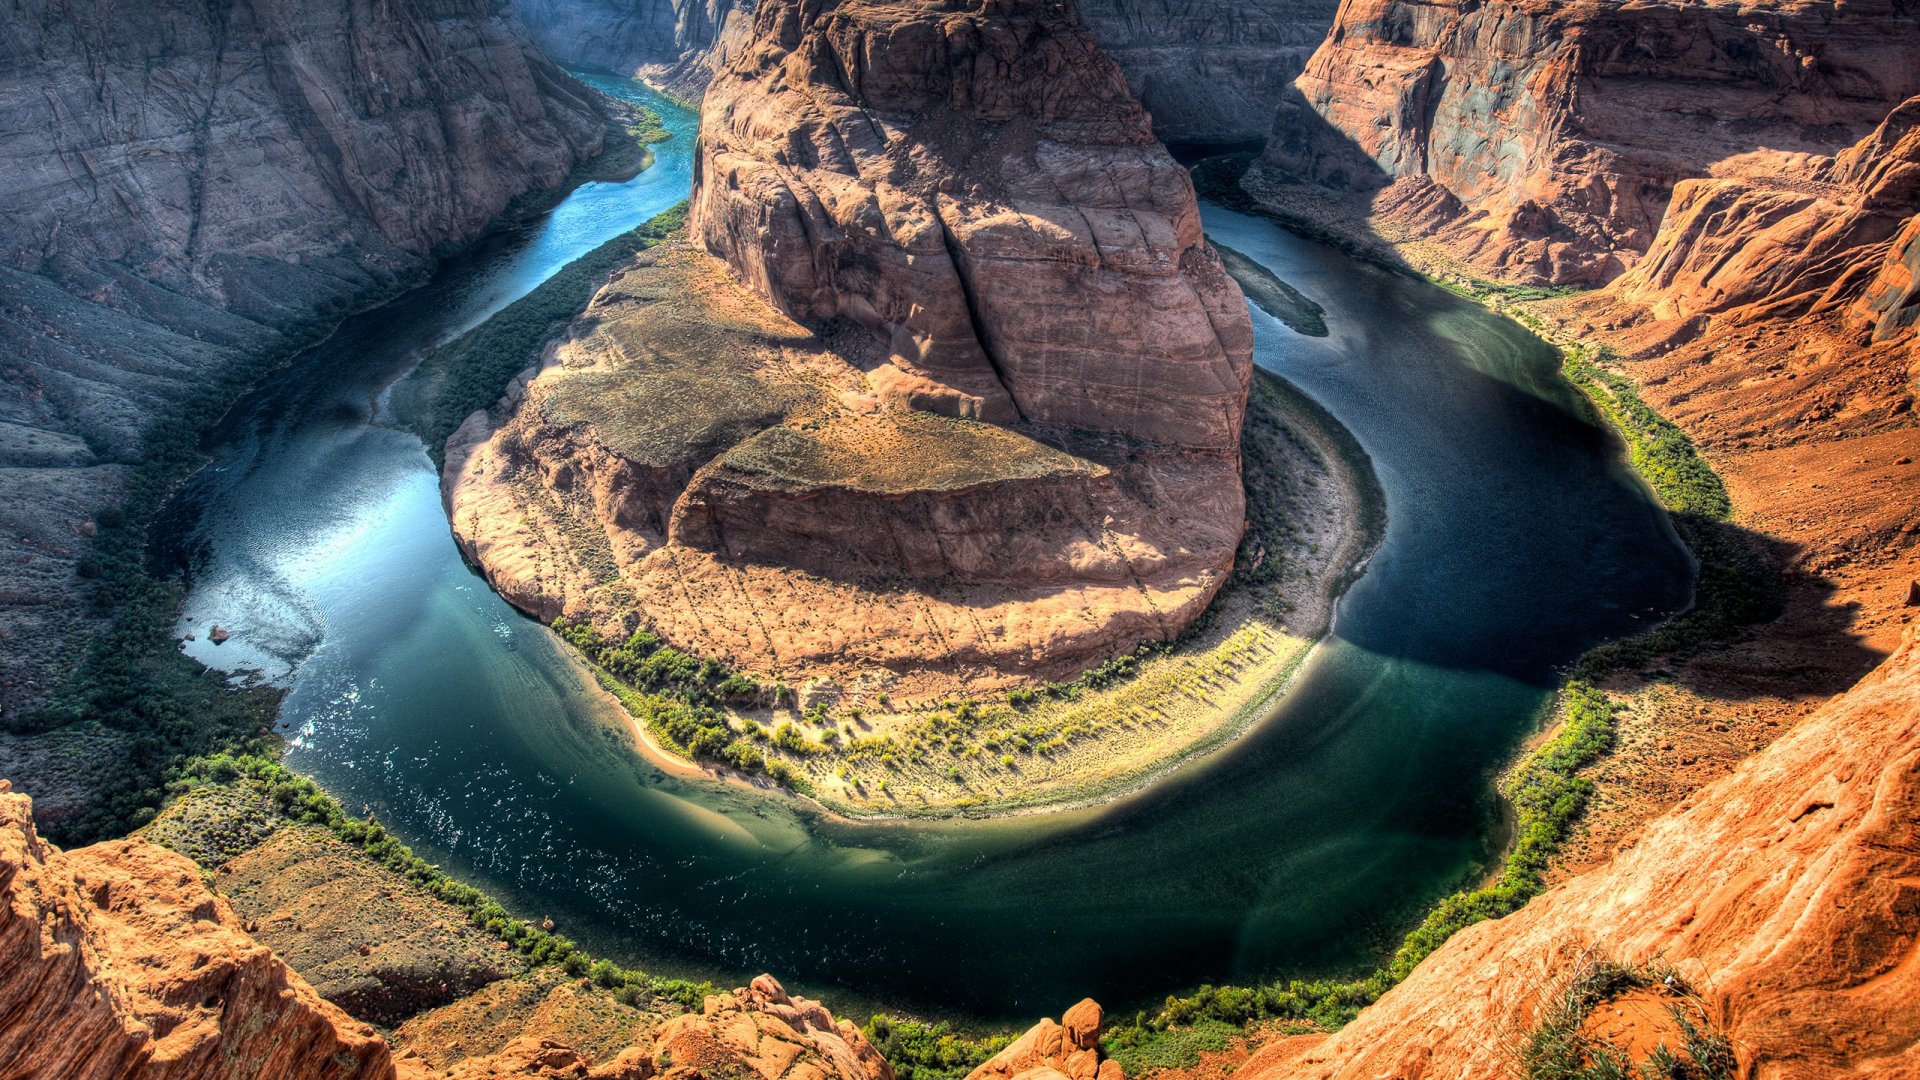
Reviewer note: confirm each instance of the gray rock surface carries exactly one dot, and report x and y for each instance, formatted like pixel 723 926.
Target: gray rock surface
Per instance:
pixel 190 185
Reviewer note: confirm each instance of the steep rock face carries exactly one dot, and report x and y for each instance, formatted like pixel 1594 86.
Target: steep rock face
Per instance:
pixel 978 188
pixel 1786 892
pixel 193 185
pixel 1209 72
pixel 1542 141
pixel 672 42
pixel 119 963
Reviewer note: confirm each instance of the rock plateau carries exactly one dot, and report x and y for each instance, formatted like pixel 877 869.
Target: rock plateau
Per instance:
pixel 957 394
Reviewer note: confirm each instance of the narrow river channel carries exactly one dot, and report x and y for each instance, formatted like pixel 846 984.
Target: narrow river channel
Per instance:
pixel 1516 539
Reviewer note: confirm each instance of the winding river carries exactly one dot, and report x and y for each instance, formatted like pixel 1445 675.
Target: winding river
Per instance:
pixel 1516 539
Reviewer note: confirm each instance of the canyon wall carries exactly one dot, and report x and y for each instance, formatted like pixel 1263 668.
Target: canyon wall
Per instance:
pixel 672 43
pixel 1209 72
pixel 1786 893
pixel 192 186
pixel 1542 142
pixel 979 189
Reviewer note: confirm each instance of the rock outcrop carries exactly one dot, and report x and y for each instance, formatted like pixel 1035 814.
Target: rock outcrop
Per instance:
pixel 116 962
pixel 1068 1050
pixel 759 1030
pixel 978 188
pixel 191 187
pixel 976 415
pixel 1542 141
pixel 1785 892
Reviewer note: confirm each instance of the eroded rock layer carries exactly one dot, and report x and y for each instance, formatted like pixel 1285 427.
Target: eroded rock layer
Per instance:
pixel 695 461
pixel 977 187
pixel 116 962
pixel 975 415
pixel 1543 141
pixel 1785 892
pixel 191 186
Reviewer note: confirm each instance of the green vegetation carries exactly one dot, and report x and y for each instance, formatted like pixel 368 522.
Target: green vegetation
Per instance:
pixel 922 1051
pixel 1556 1049
pixel 469 373
pixel 1736 587
pixel 1141 1050
pixel 679 698
pixel 299 800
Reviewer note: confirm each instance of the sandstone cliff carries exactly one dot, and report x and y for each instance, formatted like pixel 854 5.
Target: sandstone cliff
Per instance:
pixel 1211 72
pixel 674 43
pixel 118 963
pixel 1785 892
pixel 190 186
pixel 1542 141
pixel 978 416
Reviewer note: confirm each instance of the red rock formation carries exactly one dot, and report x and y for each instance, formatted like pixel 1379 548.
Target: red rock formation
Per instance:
pixel 1068 1050
pixel 1542 141
pixel 968 215
pixel 976 186
pixel 760 1031
pixel 1788 893
pixel 116 963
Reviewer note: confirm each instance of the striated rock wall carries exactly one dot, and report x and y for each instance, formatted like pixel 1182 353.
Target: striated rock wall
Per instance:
pixel 674 43
pixel 977 187
pixel 1542 142
pixel 192 185
pixel 116 962
pixel 1785 892
pixel 1209 72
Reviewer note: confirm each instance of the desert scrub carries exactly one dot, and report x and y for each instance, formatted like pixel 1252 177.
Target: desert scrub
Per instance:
pixel 1142 1051
pixel 257 784
pixel 1559 1047
pixel 680 699
pixel 470 372
pixel 929 1051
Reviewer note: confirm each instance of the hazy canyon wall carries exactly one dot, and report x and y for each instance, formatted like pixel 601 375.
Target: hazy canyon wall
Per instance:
pixel 192 185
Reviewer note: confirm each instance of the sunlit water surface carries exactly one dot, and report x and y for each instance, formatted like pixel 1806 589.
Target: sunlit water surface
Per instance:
pixel 1516 539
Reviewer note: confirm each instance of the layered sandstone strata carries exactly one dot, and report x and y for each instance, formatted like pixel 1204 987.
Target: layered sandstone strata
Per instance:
pixel 1543 141
pixel 1211 72
pixel 1785 893
pixel 190 186
pixel 975 416
pixel 119 963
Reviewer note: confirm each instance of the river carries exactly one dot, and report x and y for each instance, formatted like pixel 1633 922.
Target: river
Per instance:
pixel 1516 539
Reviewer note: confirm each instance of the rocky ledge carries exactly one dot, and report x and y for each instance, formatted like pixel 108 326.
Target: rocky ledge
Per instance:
pixel 956 397
pixel 116 961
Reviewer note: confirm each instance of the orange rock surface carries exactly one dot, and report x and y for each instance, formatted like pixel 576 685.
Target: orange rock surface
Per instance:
pixel 1788 892
pixel 1068 1050
pixel 116 962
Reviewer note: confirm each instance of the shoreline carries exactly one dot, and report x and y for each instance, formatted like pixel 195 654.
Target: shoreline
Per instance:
pixel 1249 692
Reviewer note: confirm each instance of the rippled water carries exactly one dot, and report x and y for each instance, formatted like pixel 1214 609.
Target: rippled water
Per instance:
pixel 1516 539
